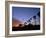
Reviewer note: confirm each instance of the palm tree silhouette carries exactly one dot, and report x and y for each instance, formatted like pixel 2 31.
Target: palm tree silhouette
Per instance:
pixel 34 19
pixel 38 14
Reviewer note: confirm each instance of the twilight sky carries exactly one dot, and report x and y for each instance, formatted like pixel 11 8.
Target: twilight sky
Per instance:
pixel 24 13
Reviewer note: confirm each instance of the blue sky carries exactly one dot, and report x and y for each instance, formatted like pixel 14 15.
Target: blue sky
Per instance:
pixel 24 13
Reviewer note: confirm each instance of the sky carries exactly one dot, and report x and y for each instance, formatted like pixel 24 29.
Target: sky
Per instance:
pixel 24 13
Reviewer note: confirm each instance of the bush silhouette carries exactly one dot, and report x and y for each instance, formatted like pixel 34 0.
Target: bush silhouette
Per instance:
pixel 26 27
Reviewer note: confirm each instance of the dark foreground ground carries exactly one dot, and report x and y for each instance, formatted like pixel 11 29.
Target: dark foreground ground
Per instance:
pixel 26 27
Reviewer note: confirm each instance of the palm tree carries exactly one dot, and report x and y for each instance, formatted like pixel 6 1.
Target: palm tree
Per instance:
pixel 38 14
pixel 34 19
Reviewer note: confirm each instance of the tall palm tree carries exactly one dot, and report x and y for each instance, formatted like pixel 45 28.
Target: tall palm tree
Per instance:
pixel 38 14
pixel 34 19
